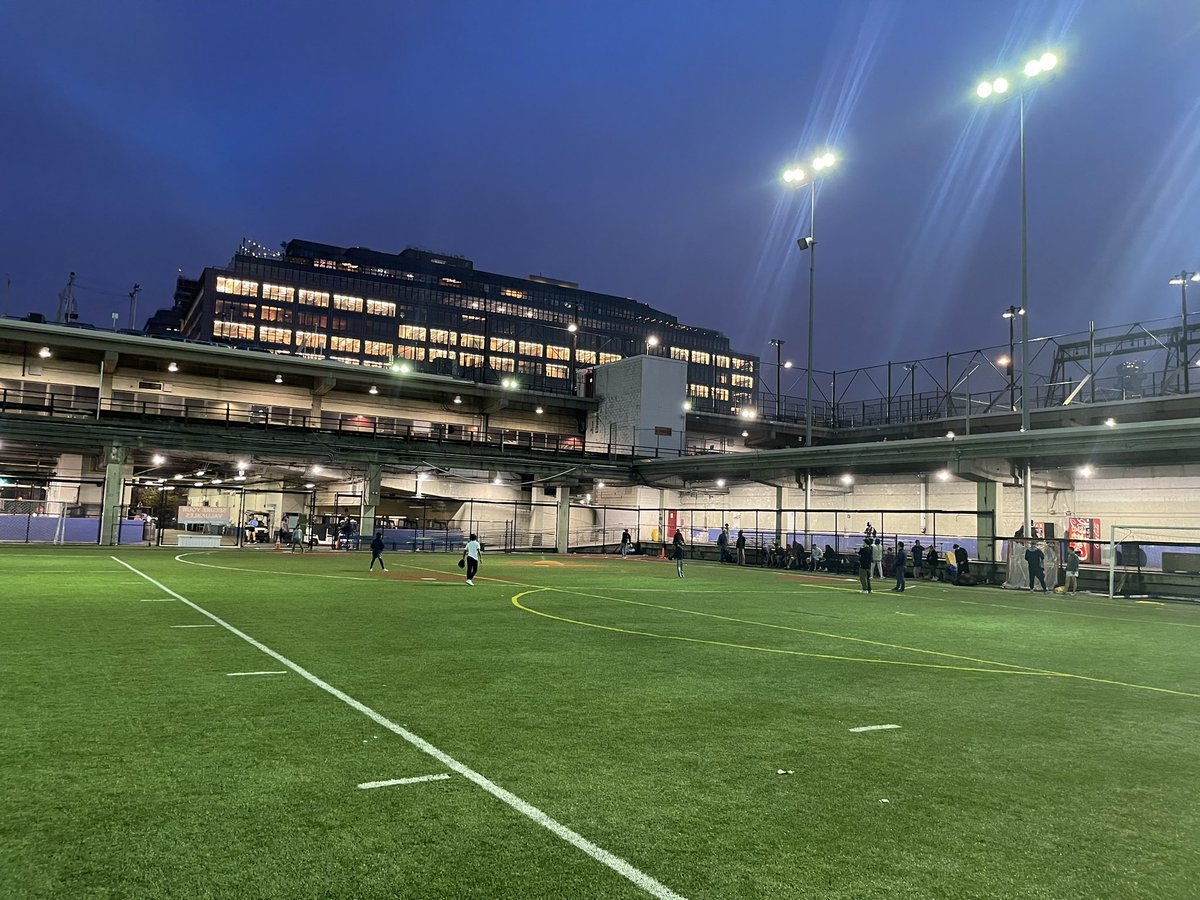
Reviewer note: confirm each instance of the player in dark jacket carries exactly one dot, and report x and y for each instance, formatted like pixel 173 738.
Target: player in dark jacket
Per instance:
pixel 865 560
pixel 377 552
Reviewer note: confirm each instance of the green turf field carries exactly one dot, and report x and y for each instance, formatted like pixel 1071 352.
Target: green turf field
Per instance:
pixel 609 731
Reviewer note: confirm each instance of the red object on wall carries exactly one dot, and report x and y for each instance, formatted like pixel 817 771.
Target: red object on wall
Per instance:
pixel 1079 530
pixel 672 523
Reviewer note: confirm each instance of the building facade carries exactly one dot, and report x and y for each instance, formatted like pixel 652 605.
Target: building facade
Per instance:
pixel 439 314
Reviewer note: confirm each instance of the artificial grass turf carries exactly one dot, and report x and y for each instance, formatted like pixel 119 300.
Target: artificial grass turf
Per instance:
pixel 134 766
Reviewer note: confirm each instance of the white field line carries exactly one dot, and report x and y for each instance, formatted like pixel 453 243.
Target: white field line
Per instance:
pixel 193 626
pixel 231 674
pixel 874 728
pixel 180 558
pixel 158 600
pixel 618 865
pixel 367 785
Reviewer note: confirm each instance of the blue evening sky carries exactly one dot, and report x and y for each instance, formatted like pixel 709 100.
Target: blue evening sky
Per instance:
pixel 634 147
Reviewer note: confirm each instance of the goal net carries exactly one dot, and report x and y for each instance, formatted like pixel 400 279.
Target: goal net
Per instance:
pixel 1154 561
pixel 1019 553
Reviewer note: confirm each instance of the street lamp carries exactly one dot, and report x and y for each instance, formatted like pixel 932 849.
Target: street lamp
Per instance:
pixel 1182 280
pixel 998 88
pixel 777 343
pixel 1011 314
pixel 797 177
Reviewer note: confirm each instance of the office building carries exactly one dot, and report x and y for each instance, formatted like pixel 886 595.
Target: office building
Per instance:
pixel 437 313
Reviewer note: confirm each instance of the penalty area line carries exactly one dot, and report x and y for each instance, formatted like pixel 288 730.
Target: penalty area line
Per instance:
pixel 596 852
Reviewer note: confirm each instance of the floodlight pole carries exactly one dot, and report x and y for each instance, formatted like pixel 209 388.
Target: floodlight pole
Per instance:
pixel 812 290
pixel 1025 424
pixel 1183 337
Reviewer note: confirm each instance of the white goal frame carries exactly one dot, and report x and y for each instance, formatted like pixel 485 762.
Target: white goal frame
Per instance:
pixel 1112 545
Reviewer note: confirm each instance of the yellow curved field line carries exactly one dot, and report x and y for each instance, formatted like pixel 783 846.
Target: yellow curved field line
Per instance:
pixel 1010 670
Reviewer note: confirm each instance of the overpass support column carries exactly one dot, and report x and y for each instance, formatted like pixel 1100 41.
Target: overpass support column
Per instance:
pixel 779 513
pixel 370 500
pixel 562 531
pixel 989 497
pixel 116 470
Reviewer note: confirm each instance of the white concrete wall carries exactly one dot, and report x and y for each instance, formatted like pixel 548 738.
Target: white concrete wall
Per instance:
pixel 636 396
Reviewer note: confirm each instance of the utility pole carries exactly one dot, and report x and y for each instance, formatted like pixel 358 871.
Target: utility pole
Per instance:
pixel 137 289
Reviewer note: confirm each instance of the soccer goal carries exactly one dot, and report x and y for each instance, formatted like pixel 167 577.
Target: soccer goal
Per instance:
pixel 1154 561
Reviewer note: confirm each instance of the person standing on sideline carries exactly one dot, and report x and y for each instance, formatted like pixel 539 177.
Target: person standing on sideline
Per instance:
pixel 471 555
pixel 740 545
pixel 377 552
pixel 677 547
pixel 297 538
pixel 723 544
pixel 876 557
pixel 626 541
pixel 900 563
pixel 931 562
pixel 866 559
pixel 1072 571
pixel 961 560
pixel 918 558
pixel 869 531
pixel 1036 559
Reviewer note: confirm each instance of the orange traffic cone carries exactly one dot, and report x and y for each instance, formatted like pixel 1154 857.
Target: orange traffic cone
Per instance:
pixel 662 553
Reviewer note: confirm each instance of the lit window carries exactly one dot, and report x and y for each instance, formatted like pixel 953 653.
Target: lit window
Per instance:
pixel 377 348
pixel 745 381
pixel 470 360
pixel 349 304
pixel 698 390
pixel 504 345
pixel 509 292
pixel 312 298
pixel 473 341
pixel 411 333
pixel 529 367
pixel 556 371
pixel 311 340
pixel 348 360
pixel 237 286
pixel 553 352
pixel 405 352
pixel 277 293
pixel 275 335
pixel 721 394
pixel 587 357
pixel 344 344
pixel 381 308
pixel 503 364
pixel 679 353
pixel 274 314
pixel 745 365
pixel 699 356
pixel 610 358
pixel 439 353
pixel 441 336
pixel 233 330
pixel 723 361
pixel 529 348
pixel 453 282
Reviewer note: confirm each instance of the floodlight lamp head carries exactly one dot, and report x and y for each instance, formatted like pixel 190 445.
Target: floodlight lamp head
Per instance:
pixel 805 243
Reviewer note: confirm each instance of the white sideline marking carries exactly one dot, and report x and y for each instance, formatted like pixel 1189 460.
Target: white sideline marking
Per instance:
pixel 159 600
pixel 231 674
pixel 618 865
pixel 874 727
pixel 374 784
pixel 193 626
